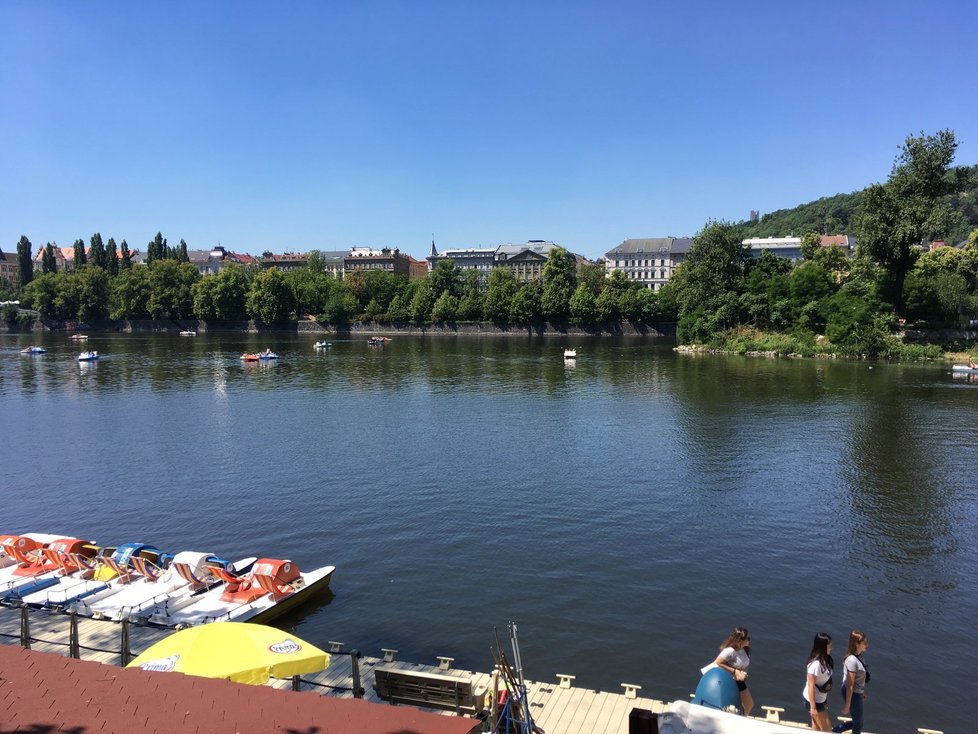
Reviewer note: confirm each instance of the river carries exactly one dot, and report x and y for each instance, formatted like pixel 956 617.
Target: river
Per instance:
pixel 627 509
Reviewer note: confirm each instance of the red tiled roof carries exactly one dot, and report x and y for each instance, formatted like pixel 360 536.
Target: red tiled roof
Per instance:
pixel 47 692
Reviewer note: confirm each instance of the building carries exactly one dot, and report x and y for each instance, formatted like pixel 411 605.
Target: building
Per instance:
pixel 526 261
pixel 843 241
pixel 64 258
pixel 787 247
pixel 649 262
pixel 287 261
pixel 365 258
pixel 417 269
pixel 207 262
pixel 479 259
pixel 8 268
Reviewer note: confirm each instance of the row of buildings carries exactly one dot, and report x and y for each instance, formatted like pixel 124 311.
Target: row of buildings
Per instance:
pixel 648 262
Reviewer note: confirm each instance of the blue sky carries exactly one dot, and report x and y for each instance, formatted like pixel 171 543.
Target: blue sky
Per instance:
pixel 302 125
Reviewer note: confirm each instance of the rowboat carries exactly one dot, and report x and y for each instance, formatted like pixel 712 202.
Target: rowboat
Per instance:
pixel 272 587
pixel 33 350
pixel 88 356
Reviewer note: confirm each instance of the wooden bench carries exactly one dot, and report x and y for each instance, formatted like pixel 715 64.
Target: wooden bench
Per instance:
pixel 430 690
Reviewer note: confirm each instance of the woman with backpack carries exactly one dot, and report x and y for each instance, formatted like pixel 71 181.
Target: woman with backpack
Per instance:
pixel 818 681
pixel 854 685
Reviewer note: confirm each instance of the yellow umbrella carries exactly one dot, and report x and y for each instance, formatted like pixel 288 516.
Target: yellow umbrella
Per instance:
pixel 238 651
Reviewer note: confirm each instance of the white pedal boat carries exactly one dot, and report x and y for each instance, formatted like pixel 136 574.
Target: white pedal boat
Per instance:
pixel 271 588
pixel 188 573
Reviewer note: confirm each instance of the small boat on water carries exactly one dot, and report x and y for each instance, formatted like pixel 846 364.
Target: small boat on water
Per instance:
pixel 966 369
pixel 79 337
pixel 570 354
pixel 39 565
pixel 33 350
pixel 188 333
pixel 271 588
pixel 249 357
pixel 323 345
pixel 267 354
pixel 88 356
pixel 378 341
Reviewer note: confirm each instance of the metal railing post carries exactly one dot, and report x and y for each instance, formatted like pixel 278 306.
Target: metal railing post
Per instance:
pixel 74 650
pixel 295 682
pixel 124 634
pixel 25 628
pixel 355 664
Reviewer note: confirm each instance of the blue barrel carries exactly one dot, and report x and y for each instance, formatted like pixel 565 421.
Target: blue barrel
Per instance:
pixel 718 690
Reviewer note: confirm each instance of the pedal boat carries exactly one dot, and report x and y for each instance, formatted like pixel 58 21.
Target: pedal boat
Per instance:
pixel 39 566
pixel 33 350
pixel 88 356
pixel 108 571
pixel 271 588
pixel 187 574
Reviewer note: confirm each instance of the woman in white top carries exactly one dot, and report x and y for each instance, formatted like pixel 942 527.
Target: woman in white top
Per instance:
pixel 734 657
pixel 854 685
pixel 818 681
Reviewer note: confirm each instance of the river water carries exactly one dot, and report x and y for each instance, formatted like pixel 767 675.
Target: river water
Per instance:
pixel 627 510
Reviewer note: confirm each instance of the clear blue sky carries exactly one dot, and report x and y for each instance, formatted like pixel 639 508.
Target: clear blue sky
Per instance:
pixel 300 125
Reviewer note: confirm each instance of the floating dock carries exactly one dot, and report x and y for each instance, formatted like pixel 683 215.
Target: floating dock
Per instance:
pixel 558 708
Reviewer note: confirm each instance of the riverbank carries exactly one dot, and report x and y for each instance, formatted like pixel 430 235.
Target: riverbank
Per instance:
pixel 311 326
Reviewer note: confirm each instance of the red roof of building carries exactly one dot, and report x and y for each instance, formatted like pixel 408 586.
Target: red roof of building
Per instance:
pixel 47 692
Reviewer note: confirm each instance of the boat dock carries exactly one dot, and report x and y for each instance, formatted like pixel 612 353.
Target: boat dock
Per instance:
pixel 559 707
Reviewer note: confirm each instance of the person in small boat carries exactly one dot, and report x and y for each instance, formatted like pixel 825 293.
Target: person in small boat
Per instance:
pixel 734 657
pixel 854 685
pixel 818 681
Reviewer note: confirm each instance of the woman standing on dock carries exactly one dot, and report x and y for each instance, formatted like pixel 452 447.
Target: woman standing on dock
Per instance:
pixel 854 685
pixel 734 657
pixel 818 681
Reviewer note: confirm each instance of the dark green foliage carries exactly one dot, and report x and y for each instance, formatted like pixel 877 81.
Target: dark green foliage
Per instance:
pixel 181 255
pixel 48 263
pixel 559 284
pixel 125 260
pixel 129 294
pixel 25 260
pixel 270 299
pixel 170 289
pixel 111 258
pixel 79 256
pixel 97 252
pixel 499 295
pixel 156 249
pixel 91 294
pixel 583 306
pixel 524 308
pixel 445 309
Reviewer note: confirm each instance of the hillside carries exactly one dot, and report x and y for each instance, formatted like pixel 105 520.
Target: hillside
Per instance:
pixel 836 215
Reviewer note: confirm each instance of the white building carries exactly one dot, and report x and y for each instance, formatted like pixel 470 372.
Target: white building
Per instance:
pixel 649 262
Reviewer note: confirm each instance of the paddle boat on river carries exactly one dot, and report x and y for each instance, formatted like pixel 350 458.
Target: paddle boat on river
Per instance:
pixel 37 566
pixel 965 369
pixel 272 587
pixel 322 345
pixel 265 355
pixel 33 350
pixel 88 356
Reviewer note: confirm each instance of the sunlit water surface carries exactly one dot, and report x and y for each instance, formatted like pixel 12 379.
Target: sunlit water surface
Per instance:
pixel 627 509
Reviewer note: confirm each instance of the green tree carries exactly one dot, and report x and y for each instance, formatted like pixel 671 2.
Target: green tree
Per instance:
pixel 170 289
pixel 708 283
pixel 230 295
pixel 92 294
pixel 422 302
pixel 341 307
pixel 181 255
pixel 156 249
pixel 129 294
pixel 399 310
pixel 559 284
pixel 203 293
pixel 525 306
pixel 499 295
pixel 97 252
pixel 125 260
pixel 48 263
pixel 470 305
pixel 446 278
pixel 40 294
pixel 910 208
pixel 25 260
pixel 593 276
pixel 111 258
pixel 583 307
pixel 811 243
pixel 445 309
pixel 80 257
pixel 271 299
